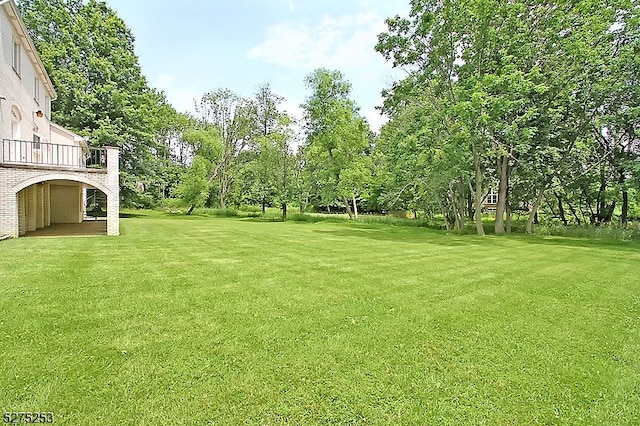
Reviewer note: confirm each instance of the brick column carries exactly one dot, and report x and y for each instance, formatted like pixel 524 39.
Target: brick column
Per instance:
pixel 8 209
pixel 113 197
pixel 22 221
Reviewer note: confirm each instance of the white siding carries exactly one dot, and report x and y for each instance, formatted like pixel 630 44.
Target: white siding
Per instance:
pixel 17 90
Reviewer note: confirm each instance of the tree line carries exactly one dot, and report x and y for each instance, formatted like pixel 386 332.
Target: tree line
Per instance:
pixel 537 102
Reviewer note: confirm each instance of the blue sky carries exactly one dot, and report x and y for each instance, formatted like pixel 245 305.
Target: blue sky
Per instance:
pixel 190 47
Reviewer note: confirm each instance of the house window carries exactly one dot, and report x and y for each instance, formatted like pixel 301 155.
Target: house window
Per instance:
pixel 492 198
pixel 36 142
pixel 17 57
pixel 36 90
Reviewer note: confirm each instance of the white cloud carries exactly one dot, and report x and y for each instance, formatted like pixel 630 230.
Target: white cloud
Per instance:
pixel 164 81
pixel 345 42
pixel 292 108
pixel 375 119
pixel 183 99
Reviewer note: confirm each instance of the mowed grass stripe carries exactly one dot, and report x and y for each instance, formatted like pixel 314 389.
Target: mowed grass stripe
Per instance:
pixel 226 321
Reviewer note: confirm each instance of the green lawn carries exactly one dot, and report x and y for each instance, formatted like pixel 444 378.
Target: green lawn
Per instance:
pixel 194 320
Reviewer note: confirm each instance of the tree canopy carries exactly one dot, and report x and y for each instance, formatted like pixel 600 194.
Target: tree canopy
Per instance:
pixel 517 86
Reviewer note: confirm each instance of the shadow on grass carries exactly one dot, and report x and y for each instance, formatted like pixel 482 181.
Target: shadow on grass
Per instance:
pixel 400 234
pixel 582 242
pixel 425 235
pixel 128 215
pixel 262 219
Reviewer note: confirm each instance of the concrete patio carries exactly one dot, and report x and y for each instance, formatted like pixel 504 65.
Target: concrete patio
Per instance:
pixel 84 229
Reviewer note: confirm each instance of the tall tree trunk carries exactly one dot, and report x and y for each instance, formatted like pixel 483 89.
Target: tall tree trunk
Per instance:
pixel 478 193
pixel 508 212
pixel 302 203
pixel 461 211
pixel 347 204
pixel 625 199
pixel 600 205
pixel 284 188
pixel 355 208
pixel 534 210
pixel 264 204
pixel 444 215
pixel 574 213
pixel 625 208
pixel 455 209
pixel 223 192
pixel 609 212
pixel 561 209
pixel 503 170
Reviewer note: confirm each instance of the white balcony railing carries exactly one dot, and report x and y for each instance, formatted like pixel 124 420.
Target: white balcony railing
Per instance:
pixel 49 154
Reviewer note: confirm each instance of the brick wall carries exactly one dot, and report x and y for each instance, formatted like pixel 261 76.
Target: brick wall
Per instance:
pixel 15 179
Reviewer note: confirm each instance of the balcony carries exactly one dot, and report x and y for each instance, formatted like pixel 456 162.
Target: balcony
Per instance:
pixel 30 153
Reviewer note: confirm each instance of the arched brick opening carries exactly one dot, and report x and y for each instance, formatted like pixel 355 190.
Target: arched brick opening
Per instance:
pixel 58 200
pixel 61 176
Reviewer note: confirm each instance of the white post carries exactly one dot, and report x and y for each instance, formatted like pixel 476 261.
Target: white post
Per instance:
pixel 47 204
pixel 40 206
pixel 113 184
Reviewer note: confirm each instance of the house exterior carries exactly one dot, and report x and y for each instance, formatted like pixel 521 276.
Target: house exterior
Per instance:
pixel 45 169
pixel 490 201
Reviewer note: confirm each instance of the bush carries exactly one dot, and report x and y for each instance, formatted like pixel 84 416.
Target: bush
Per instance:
pixel 250 209
pixel 401 221
pixel 302 217
pixel 215 212
pixel 172 203
pixel 225 212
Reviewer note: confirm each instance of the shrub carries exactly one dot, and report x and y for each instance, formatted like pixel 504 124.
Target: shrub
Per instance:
pixel 216 212
pixel 302 217
pixel 250 209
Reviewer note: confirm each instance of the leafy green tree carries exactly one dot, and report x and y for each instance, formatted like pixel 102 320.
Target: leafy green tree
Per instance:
pixel 337 139
pixel 426 151
pixel 235 120
pixel 302 180
pixel 194 187
pixel 208 161
pixel 89 53
pixel 274 159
